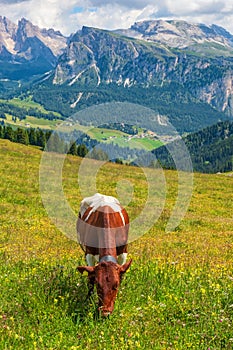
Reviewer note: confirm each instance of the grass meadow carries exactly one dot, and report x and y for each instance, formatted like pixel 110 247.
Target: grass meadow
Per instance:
pixel 121 139
pixel 178 293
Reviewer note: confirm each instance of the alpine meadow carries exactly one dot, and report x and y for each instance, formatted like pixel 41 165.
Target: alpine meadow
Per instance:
pixel 178 293
pixel 146 107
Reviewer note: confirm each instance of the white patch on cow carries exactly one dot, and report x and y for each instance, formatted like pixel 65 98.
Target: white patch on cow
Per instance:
pixel 121 259
pixel 122 218
pixel 100 200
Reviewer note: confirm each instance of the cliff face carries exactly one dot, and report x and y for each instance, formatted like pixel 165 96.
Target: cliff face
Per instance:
pixel 28 49
pixel 96 56
pixel 7 34
pixel 150 53
pixel 54 41
pixel 219 93
pixel 178 34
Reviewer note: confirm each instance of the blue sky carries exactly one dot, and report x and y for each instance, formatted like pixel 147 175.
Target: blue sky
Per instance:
pixel 70 15
pixel 78 9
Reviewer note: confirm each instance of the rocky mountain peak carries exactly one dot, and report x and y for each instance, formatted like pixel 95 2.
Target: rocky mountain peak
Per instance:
pixel 196 56
pixel 25 29
pixel 49 37
pixel 178 33
pixel 27 44
pixel 7 26
pixel 16 38
pixel 7 33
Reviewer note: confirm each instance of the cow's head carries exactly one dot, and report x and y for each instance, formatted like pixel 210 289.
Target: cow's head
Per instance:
pixel 107 277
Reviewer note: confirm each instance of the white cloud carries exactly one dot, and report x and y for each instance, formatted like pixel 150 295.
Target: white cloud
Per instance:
pixel 50 13
pixel 69 16
pixel 108 17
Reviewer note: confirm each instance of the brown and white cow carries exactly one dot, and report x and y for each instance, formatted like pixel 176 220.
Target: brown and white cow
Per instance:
pixel 102 229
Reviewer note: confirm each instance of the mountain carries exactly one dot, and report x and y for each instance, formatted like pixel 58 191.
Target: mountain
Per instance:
pixel 97 56
pixel 181 34
pixel 148 53
pixel 204 67
pixel 27 50
pixel 182 71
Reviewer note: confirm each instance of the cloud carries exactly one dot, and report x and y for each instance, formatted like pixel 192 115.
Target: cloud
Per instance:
pixel 69 16
pixel 48 14
pixel 130 4
pixel 10 2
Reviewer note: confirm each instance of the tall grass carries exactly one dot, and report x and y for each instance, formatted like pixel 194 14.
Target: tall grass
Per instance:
pixel 178 293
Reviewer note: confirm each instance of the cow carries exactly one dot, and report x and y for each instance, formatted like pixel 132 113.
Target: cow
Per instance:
pixel 102 229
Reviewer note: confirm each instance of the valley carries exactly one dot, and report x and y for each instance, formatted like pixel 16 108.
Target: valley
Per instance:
pixel 141 140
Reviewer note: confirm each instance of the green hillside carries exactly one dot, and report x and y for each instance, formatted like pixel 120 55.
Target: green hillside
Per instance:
pixel 210 149
pixel 178 293
pixel 28 114
pixel 173 100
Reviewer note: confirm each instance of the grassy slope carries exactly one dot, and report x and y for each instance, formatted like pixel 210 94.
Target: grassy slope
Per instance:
pixel 120 138
pixel 177 295
pixel 28 103
pixel 32 122
pixel 95 133
pixel 102 135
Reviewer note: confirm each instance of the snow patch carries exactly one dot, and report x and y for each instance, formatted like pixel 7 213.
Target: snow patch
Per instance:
pixel 76 78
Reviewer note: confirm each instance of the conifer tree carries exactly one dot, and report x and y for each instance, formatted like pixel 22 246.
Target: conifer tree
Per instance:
pixel 9 133
pixel 32 134
pixel 41 139
pixel 73 149
pixel 82 150
pixel 22 136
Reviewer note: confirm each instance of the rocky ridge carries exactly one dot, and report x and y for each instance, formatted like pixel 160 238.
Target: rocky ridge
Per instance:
pixel 26 43
pixel 150 53
pixel 179 34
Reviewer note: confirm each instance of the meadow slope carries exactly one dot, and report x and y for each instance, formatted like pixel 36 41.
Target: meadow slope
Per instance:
pixel 178 293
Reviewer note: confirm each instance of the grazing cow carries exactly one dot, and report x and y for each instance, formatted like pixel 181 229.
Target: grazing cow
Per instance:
pixel 102 229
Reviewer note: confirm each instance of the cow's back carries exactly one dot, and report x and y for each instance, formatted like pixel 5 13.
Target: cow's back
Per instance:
pixel 103 226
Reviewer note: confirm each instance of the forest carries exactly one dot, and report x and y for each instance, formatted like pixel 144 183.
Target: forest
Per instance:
pixel 211 149
pixel 46 140
pixel 173 100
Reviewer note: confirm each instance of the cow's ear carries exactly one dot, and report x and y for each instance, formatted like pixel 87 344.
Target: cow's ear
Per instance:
pixel 124 268
pixel 89 269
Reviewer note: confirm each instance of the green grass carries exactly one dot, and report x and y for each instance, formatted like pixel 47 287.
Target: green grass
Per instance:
pixel 100 134
pixel 146 143
pixel 28 103
pixel 40 123
pixel 178 293
pixel 121 139
pixel 32 122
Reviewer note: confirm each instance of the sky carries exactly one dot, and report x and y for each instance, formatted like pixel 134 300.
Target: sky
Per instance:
pixel 68 16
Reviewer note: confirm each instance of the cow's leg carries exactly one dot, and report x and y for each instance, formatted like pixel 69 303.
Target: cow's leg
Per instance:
pixel 121 259
pixel 91 259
